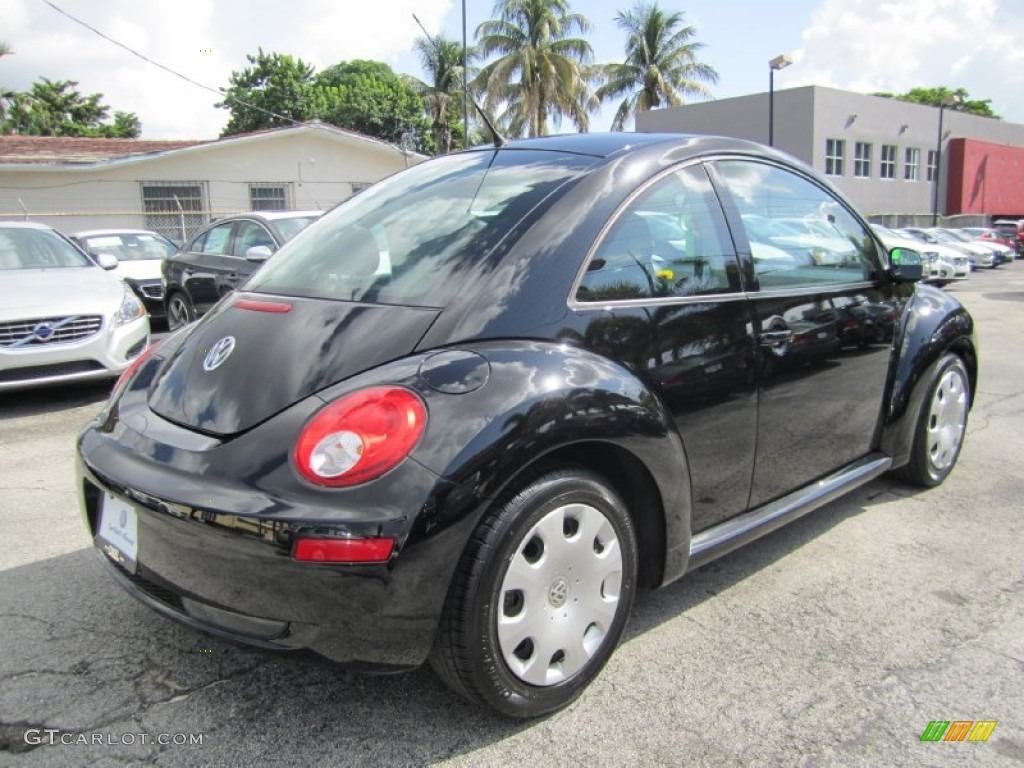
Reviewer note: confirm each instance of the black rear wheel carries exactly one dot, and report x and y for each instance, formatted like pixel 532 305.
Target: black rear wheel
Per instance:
pixel 541 596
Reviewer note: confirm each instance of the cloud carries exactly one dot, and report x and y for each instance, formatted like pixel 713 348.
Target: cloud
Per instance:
pixel 896 45
pixel 202 40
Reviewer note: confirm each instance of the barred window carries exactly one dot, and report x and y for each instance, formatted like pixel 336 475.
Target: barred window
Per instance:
pixel 862 160
pixel 911 163
pixel 887 170
pixel 176 210
pixel 269 196
pixel 834 150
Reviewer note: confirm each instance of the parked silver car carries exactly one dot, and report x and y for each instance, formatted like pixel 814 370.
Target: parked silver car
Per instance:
pixel 62 317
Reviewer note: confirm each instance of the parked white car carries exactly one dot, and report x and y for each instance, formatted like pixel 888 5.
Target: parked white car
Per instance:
pixel 942 265
pixel 967 256
pixel 62 317
pixel 140 254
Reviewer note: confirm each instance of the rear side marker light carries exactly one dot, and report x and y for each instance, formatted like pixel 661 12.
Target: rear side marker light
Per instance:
pixel 343 550
pixel 125 377
pixel 258 305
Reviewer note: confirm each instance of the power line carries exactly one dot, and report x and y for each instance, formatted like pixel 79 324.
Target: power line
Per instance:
pixel 218 91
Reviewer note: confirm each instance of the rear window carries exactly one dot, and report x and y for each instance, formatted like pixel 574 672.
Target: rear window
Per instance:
pixel 289 228
pixel 130 246
pixel 414 238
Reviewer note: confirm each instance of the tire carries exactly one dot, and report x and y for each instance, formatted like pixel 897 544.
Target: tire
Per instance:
pixel 941 425
pixel 180 311
pixel 540 597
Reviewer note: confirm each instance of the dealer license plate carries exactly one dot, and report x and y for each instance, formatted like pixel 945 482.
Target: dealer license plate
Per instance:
pixel 119 532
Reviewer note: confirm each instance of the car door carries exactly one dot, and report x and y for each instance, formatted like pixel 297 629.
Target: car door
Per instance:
pixel 821 373
pixel 662 294
pixel 203 266
pixel 248 234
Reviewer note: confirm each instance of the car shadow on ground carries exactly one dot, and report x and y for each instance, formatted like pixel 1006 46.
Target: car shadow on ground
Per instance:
pixel 83 656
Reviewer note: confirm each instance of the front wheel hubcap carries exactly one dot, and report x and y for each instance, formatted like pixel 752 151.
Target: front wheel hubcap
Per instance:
pixel 947 419
pixel 559 595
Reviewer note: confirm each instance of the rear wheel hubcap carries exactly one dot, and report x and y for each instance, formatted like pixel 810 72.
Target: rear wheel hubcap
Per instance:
pixel 947 419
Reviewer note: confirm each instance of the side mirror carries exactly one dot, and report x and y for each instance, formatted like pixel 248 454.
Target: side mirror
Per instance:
pixel 907 266
pixel 258 253
pixel 107 260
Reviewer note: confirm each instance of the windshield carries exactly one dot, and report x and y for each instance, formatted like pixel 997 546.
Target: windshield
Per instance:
pixel 289 228
pixel 129 246
pixel 412 238
pixel 38 249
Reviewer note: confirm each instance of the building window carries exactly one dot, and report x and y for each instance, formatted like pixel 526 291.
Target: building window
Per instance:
pixel 175 210
pixel 834 149
pixel 911 163
pixel 268 197
pixel 358 186
pixel 932 162
pixel 887 170
pixel 862 160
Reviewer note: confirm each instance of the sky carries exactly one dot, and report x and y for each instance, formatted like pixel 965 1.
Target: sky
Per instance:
pixel 859 45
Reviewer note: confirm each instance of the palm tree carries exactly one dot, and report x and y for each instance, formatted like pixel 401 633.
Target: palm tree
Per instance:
pixel 441 59
pixel 542 71
pixel 661 65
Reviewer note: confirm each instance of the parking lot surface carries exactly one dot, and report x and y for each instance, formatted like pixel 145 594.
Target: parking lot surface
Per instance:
pixel 834 641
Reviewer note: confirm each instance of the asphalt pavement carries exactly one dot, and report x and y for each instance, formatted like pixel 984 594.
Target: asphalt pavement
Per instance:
pixel 834 641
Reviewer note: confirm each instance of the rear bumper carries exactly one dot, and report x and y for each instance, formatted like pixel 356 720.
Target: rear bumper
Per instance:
pixel 232 575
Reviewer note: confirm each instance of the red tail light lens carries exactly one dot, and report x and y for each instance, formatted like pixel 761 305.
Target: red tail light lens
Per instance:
pixel 343 550
pixel 360 437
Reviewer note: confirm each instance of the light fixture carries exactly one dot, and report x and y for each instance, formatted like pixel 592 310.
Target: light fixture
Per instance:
pixel 779 62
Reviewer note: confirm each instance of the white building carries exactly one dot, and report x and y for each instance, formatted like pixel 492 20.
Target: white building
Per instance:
pixel 175 187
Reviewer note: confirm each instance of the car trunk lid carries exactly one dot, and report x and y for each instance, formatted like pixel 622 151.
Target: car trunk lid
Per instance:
pixel 240 366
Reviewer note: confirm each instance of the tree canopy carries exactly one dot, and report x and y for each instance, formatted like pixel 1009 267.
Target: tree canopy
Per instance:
pixel 542 71
pixel 661 65
pixel 442 96
pixel 365 96
pixel 56 108
pixel 935 97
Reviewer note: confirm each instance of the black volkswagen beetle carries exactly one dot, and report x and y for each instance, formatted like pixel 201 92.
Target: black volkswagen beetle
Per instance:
pixel 466 415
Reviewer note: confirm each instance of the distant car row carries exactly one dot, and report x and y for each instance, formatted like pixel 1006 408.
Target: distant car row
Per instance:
pixel 69 316
pixel 59 323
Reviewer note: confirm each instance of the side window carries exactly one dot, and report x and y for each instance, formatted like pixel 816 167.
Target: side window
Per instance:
pixel 216 240
pixel 670 242
pixel 250 234
pixel 799 234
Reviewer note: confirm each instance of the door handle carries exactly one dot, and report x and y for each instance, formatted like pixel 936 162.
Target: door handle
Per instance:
pixel 775 338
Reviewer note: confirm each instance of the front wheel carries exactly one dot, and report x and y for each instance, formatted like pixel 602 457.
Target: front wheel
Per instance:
pixel 941 426
pixel 541 596
pixel 179 311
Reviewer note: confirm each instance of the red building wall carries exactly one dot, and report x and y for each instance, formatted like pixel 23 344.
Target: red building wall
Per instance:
pixel 984 178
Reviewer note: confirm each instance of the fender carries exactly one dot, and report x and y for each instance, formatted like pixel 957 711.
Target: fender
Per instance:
pixel 532 398
pixel 933 323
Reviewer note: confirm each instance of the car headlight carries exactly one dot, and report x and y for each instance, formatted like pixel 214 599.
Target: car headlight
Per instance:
pixel 931 257
pixel 131 308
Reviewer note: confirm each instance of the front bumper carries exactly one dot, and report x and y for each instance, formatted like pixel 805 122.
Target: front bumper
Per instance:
pixel 104 355
pixel 215 553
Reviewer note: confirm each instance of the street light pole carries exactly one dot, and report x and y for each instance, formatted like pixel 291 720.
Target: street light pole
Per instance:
pixel 948 101
pixel 779 62
pixel 465 82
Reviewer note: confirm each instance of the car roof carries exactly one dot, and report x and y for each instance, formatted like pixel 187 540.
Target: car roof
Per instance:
pixel 25 225
pixel 114 231
pixel 270 215
pixel 608 144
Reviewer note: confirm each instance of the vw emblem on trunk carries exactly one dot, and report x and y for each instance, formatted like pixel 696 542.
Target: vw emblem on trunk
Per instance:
pixel 218 353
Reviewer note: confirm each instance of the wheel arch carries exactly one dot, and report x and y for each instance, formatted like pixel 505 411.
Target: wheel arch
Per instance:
pixel 934 325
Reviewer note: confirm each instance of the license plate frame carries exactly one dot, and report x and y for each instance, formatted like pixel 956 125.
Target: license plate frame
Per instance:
pixel 117 534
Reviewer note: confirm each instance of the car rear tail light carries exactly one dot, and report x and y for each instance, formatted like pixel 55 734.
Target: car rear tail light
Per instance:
pixel 315 550
pixel 360 437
